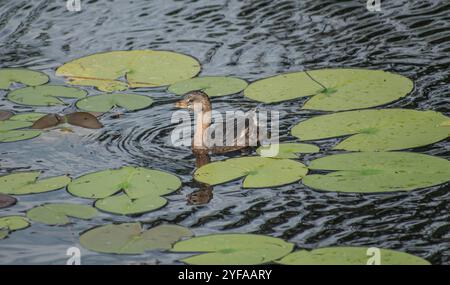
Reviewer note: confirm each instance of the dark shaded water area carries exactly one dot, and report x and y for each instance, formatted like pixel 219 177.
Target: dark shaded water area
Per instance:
pixel 247 39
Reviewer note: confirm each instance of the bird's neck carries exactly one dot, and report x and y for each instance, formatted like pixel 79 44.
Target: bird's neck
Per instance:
pixel 202 113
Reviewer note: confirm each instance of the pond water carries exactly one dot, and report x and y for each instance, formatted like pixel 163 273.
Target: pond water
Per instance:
pixel 250 40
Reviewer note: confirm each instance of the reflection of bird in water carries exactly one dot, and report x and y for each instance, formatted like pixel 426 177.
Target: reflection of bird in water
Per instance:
pixel 199 103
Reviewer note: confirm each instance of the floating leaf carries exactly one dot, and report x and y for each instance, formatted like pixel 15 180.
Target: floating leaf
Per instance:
pixel 81 119
pixel 138 68
pixel 211 85
pixel 5 115
pixel 286 150
pixel 20 135
pixel 378 172
pixel 6 201
pixel 376 130
pixel 105 102
pixel 346 89
pixel 26 183
pixel 58 214
pixel 259 172
pixel 21 75
pixel 143 188
pixel 9 125
pixel 11 223
pixel 27 117
pixel 130 238
pixel 46 95
pixel 351 256
pixel 233 249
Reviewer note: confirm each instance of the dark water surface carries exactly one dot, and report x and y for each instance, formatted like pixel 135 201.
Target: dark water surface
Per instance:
pixel 251 40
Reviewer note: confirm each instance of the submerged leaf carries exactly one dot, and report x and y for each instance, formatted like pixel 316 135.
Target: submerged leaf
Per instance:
pixel 138 68
pixel 345 89
pixel 351 256
pixel 105 102
pixel 58 214
pixel 259 172
pixel 6 201
pixel 21 75
pixel 286 150
pixel 378 172
pixel 27 183
pixel 376 130
pixel 211 85
pixel 45 95
pixel 130 238
pixel 233 249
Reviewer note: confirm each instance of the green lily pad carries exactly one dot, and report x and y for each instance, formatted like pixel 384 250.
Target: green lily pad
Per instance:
pixel 286 150
pixel 45 95
pixel 124 205
pixel 345 89
pixel 259 172
pixel 351 256
pixel 21 75
pixel 12 223
pixel 6 201
pixel 105 102
pixel 5 115
pixel 27 117
pixel 142 189
pixel 130 238
pixel 377 130
pixel 233 249
pixel 9 125
pixel 27 183
pixel 378 172
pixel 18 135
pixel 212 85
pixel 138 68
pixel 58 214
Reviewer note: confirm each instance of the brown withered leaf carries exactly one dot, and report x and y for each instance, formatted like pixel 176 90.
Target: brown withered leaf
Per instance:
pixel 5 115
pixel 83 119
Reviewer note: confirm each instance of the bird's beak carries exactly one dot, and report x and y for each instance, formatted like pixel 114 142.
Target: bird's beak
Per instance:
pixel 181 104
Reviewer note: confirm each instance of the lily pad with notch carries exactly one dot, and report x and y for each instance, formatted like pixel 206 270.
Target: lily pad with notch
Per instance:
pixel 58 214
pixel 212 85
pixel 233 249
pixel 376 130
pixel 130 238
pixel 21 75
pixel 286 150
pixel 140 188
pixel 351 256
pixel 120 70
pixel 332 89
pixel 24 183
pixel 45 95
pixel 369 172
pixel 105 102
pixel 258 172
pixel 9 224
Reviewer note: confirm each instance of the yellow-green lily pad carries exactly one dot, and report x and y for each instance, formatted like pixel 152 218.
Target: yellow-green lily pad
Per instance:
pixel 21 75
pixel 120 70
pixel 286 150
pixel 351 256
pixel 367 172
pixel 130 238
pixel 332 89
pixel 45 95
pixel 233 249
pixel 212 85
pixel 376 130
pixel 58 214
pixel 258 172
pixel 105 102
pixel 9 224
pixel 24 183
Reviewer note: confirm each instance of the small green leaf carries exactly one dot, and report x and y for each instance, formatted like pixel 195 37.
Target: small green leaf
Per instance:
pixel 9 125
pixel 286 150
pixel 259 172
pixel 11 223
pixel 45 95
pixel 27 117
pixel 21 75
pixel 212 85
pixel 19 135
pixel 26 183
pixel 105 102
pixel 58 214
pixel 233 249
pixel 123 205
pixel 130 238
pixel 351 256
